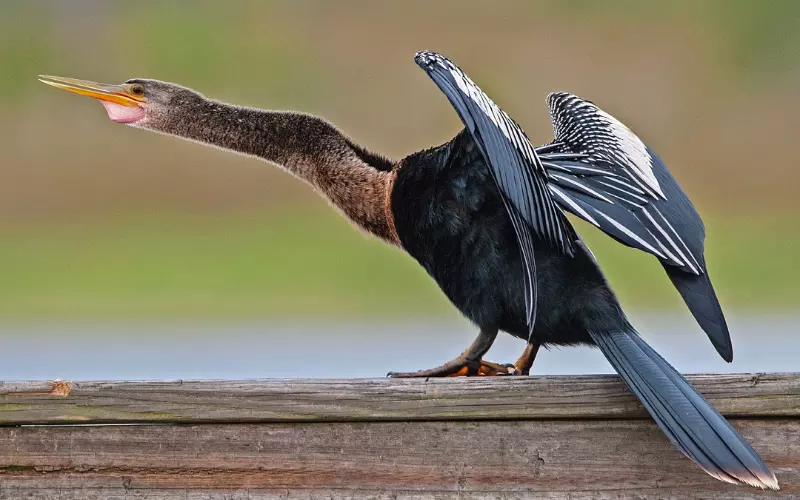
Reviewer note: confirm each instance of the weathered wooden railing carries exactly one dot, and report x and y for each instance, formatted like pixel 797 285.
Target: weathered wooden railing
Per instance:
pixel 537 437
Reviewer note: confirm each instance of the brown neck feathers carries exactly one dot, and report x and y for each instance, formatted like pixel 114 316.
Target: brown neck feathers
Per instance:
pixel 355 181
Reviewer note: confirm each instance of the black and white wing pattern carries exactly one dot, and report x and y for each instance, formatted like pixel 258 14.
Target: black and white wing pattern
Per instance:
pixel 600 171
pixel 514 165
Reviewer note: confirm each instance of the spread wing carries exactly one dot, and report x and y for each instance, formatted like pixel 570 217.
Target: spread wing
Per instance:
pixel 515 167
pixel 600 171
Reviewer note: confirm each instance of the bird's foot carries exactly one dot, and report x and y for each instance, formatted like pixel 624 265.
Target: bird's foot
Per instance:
pixel 462 368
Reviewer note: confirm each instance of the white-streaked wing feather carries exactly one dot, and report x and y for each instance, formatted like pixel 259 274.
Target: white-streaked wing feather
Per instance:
pixel 514 165
pixel 591 131
pixel 651 212
pixel 587 140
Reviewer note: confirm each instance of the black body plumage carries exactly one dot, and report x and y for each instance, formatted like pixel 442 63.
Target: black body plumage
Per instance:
pixel 451 218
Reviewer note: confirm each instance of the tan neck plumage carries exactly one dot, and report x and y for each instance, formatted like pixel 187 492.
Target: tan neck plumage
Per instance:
pixel 355 181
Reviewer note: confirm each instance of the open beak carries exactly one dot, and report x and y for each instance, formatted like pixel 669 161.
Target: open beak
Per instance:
pixel 117 94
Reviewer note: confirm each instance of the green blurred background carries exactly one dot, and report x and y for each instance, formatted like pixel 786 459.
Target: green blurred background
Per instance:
pixel 98 220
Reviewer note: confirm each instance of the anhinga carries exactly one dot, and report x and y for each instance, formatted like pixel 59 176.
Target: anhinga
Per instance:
pixel 484 214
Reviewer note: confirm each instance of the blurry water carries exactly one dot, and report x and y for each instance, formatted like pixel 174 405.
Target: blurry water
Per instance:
pixel 170 351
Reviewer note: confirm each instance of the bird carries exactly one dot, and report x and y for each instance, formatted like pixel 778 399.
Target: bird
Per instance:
pixel 485 214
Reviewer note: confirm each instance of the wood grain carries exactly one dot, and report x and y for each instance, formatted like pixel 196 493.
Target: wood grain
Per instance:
pixel 559 438
pixel 553 459
pixel 570 397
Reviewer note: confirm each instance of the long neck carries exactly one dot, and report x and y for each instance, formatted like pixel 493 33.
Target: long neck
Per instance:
pixel 308 147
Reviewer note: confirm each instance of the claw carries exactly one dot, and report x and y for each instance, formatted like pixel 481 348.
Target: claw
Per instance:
pixel 489 369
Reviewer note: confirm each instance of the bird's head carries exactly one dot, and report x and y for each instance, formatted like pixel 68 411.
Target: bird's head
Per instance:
pixel 139 102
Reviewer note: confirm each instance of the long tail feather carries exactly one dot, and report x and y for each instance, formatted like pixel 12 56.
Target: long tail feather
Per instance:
pixel 687 419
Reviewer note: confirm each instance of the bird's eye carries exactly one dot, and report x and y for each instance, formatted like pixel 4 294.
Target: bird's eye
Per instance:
pixel 137 89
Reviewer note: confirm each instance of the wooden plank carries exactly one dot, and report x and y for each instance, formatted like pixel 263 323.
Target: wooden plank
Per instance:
pixel 546 459
pixel 574 397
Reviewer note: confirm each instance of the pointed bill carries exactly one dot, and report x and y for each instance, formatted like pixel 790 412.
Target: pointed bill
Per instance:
pixel 117 94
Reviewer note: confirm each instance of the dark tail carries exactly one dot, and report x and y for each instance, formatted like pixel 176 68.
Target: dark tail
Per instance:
pixel 699 295
pixel 687 419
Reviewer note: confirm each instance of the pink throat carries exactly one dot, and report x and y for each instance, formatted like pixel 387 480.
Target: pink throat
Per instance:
pixel 123 114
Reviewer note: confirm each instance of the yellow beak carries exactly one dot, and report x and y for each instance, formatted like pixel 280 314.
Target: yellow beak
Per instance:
pixel 118 94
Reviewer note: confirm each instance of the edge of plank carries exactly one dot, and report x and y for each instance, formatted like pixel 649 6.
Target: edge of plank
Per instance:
pixel 758 395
